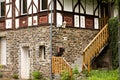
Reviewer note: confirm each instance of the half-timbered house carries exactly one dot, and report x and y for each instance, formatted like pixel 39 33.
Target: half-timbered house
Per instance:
pixel 25 32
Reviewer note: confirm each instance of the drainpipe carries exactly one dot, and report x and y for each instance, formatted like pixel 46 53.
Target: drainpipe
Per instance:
pixel 119 35
pixel 51 40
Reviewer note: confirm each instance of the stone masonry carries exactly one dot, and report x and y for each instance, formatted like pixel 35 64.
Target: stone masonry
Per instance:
pixel 73 40
pixel 32 38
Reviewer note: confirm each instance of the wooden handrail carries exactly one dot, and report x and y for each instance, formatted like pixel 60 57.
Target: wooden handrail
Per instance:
pixel 93 48
pixel 59 65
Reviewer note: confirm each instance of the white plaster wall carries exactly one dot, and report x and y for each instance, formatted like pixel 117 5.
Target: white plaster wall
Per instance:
pixel 10 11
pixel 89 7
pixel 17 3
pixel 83 3
pixel 82 21
pixel 61 1
pixel 17 23
pixel 74 2
pixel 95 5
pixel 7 1
pixel 3 51
pixel 58 6
pixel 96 23
pixel 81 10
pixel 77 9
pixel 8 23
pixel 35 20
pixel 76 21
pixel 34 8
pixel 29 21
pixel 28 4
pixel 50 17
pixel 68 5
pixel 50 5
pixel 36 3
pixel 96 12
pixel 59 20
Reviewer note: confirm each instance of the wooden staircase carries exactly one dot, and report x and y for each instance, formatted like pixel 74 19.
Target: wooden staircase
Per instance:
pixel 59 64
pixel 95 47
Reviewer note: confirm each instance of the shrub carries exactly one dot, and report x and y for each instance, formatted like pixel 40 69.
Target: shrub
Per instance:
pixel 36 75
pixel 65 75
pixel 15 76
pixel 75 70
pixel 1 75
pixel 113 41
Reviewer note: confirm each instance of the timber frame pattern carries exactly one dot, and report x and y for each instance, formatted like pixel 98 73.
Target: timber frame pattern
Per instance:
pixel 15 20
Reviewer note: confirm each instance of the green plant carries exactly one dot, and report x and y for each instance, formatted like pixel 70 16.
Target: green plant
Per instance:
pixel 36 75
pixel 113 41
pixel 103 75
pixel 75 70
pixel 15 76
pixel 65 75
pixel 1 75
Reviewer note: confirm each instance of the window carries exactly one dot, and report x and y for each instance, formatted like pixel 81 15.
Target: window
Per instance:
pixel 2 8
pixel 43 4
pixel 42 54
pixel 23 6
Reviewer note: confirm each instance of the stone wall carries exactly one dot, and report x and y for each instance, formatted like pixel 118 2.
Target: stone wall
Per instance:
pixel 73 40
pixel 31 38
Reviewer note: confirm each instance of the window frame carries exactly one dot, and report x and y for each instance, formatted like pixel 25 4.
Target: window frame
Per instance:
pixel 1 9
pixel 41 5
pixel 42 52
pixel 22 7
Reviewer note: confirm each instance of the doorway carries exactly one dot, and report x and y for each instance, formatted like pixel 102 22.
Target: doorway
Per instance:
pixel 3 51
pixel 25 63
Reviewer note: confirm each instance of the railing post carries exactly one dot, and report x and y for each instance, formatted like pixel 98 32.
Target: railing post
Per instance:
pixel 83 62
pixel 97 44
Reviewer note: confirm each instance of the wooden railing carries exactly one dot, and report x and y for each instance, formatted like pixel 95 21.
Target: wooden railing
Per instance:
pixel 94 47
pixel 103 22
pixel 59 65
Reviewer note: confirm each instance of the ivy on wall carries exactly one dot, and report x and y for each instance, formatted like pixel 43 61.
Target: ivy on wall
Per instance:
pixel 113 41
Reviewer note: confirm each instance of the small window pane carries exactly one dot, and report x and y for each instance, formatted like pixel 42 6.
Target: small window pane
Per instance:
pixel 24 6
pixel 44 4
pixel 2 8
pixel 42 52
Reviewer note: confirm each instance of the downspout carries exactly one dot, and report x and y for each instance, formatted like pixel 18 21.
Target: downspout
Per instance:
pixel 119 35
pixel 51 40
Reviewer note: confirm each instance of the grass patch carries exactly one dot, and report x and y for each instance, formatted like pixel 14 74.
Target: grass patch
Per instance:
pixel 103 75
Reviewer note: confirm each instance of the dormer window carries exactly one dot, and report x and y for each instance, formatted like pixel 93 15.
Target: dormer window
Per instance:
pixel 2 9
pixel 43 5
pixel 23 6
